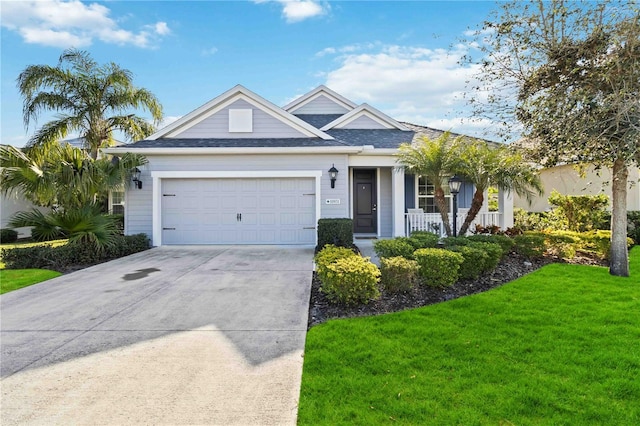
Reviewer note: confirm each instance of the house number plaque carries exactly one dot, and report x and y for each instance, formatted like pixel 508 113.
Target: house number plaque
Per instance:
pixel 332 201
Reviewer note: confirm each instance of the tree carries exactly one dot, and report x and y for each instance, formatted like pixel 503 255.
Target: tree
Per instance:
pixel 62 176
pixel 487 166
pixel 569 74
pixel 434 159
pixel 89 99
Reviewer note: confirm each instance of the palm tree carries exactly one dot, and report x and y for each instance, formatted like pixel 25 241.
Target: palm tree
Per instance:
pixel 487 166
pixel 89 99
pixel 62 176
pixel 435 160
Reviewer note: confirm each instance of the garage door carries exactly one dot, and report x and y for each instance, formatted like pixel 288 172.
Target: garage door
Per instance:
pixel 238 211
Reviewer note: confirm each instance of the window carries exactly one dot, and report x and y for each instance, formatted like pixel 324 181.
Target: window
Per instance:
pixel 116 202
pixel 426 196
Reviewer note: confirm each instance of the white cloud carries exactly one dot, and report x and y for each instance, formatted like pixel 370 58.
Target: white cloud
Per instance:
pixel 208 52
pixel 299 10
pixel 414 84
pixel 61 23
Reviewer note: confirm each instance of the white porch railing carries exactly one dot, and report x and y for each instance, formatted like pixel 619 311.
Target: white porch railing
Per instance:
pixel 432 222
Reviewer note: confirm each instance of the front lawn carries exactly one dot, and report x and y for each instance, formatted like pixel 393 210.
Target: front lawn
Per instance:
pixel 558 346
pixel 13 279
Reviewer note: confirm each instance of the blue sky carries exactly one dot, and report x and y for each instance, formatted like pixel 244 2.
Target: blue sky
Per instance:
pixel 400 57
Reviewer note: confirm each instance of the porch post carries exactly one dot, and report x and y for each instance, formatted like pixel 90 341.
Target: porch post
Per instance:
pixel 397 196
pixel 505 208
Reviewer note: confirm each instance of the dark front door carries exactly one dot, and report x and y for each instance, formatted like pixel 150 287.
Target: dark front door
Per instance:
pixel 365 204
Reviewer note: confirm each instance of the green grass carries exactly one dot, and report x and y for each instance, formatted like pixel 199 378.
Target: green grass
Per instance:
pixel 560 346
pixel 13 279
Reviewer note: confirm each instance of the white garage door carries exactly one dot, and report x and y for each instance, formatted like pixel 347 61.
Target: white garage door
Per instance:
pixel 238 211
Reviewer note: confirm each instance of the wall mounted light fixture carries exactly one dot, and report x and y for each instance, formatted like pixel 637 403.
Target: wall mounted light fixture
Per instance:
pixel 135 178
pixel 333 174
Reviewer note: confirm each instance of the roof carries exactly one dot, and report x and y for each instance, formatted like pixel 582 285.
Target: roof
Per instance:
pixel 378 138
pixel 318 120
pixel 236 143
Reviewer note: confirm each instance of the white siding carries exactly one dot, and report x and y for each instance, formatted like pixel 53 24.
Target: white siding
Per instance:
pixel 217 126
pixel 139 208
pixel 321 105
pixel 385 203
pixel 363 122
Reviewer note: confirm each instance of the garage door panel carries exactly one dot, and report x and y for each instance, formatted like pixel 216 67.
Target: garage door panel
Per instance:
pixel 238 211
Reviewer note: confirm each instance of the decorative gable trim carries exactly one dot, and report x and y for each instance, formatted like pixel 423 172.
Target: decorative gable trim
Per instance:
pixel 238 92
pixel 366 111
pixel 316 93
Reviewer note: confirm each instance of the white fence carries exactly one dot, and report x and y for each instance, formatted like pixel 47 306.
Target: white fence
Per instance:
pixel 432 222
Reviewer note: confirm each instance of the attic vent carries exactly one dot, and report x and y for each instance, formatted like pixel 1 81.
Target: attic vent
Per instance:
pixel 240 120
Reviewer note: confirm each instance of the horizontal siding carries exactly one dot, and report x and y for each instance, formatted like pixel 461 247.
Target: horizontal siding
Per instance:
pixel 363 122
pixel 139 202
pixel 321 105
pixel 217 126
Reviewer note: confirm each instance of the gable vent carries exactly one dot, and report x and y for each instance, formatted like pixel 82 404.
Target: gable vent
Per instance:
pixel 240 121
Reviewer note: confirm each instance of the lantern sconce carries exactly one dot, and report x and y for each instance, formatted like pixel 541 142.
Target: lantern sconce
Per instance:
pixel 135 178
pixel 333 174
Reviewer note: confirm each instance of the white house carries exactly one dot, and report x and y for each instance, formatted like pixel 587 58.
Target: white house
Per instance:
pixel 241 170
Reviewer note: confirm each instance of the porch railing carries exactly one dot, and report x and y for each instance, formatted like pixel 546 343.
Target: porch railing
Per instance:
pixel 432 222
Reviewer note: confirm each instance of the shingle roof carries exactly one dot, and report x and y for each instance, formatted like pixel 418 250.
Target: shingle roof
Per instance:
pixel 235 143
pixel 318 120
pixel 379 138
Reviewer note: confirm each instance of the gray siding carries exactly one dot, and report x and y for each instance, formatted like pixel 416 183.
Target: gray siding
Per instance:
pixel 363 122
pixel 217 126
pixel 139 209
pixel 321 105
pixel 385 203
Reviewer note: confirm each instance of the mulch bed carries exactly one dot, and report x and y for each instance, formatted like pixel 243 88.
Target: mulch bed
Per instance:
pixel 510 268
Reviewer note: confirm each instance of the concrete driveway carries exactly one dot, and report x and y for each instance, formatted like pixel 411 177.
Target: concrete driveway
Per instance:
pixel 173 335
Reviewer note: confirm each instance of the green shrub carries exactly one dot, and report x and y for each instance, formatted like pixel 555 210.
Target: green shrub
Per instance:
pixel 505 242
pixel 398 274
pixel 338 232
pixel 564 244
pixel 598 243
pixel 633 225
pixel 8 236
pixel 393 248
pixel 424 239
pixel 582 212
pixel 328 255
pixel 455 241
pixel 474 261
pixel 530 245
pixel 351 281
pixel 492 250
pixel 438 268
pixel 72 254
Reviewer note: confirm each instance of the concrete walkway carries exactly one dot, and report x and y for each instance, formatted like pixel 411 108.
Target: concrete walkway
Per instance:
pixel 173 335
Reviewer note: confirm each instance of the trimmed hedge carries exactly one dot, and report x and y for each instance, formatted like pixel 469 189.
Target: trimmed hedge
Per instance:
pixel 423 239
pixel 394 248
pixel 474 263
pixel 493 251
pixel 455 241
pixel 351 281
pixel 530 245
pixel 338 232
pixel 72 254
pixel 398 274
pixel 8 236
pixel 438 267
pixel 503 241
pixel 328 255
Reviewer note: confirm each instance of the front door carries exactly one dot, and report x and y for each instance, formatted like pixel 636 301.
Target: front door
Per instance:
pixel 365 203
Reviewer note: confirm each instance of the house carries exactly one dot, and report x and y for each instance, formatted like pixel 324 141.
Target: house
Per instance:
pixel 241 170
pixel 568 181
